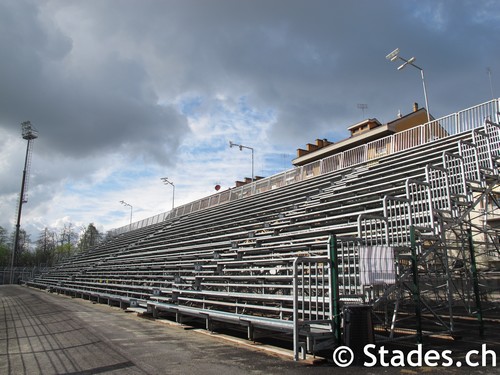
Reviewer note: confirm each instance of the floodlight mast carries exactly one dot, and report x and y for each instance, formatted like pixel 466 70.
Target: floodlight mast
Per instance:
pixel 167 182
pixel 241 147
pixel 393 56
pixel 29 133
pixel 131 208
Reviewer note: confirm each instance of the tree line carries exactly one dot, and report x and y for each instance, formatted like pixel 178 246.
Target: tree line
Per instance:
pixel 50 247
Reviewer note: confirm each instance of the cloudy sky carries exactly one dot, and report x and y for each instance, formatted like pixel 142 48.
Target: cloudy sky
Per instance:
pixel 124 92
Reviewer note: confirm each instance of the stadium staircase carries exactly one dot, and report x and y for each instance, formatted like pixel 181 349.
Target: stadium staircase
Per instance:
pixel 402 232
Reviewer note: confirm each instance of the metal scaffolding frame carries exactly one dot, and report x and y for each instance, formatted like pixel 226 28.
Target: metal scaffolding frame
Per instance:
pixel 441 241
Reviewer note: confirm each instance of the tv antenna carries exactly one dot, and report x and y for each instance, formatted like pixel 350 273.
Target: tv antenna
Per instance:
pixel 488 71
pixel 363 107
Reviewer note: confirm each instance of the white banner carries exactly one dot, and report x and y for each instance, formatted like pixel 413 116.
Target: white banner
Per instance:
pixel 376 265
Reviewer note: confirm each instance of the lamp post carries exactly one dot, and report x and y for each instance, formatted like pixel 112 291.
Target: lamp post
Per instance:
pixel 393 56
pixel 231 144
pixel 129 205
pixel 167 182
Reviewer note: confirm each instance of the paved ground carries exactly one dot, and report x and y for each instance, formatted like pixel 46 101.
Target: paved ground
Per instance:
pixel 42 333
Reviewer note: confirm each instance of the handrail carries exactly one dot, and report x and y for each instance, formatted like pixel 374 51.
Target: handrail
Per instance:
pixel 455 123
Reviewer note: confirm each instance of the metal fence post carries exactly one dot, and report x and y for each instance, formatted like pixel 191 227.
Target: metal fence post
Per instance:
pixel 296 344
pixel 334 287
pixel 416 286
pixel 475 282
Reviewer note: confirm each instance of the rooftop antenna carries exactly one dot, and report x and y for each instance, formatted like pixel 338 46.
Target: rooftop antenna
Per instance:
pixel 30 134
pixel 363 107
pixel 488 71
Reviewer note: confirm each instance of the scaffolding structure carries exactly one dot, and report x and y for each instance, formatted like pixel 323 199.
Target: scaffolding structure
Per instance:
pixel 443 246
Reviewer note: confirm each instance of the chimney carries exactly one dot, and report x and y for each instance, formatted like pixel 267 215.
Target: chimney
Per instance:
pixel 301 152
pixel 311 147
pixel 415 107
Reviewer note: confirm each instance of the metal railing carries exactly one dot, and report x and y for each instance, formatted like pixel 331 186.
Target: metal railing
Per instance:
pixel 312 297
pixel 446 126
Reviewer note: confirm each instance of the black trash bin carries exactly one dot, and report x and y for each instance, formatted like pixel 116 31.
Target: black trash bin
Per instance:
pixel 358 329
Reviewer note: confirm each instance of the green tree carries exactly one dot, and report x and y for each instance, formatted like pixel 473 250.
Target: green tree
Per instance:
pixel 23 257
pixel 89 238
pixel 45 248
pixel 3 236
pixel 66 244
pixel 5 252
pixel 62 251
pixel 26 259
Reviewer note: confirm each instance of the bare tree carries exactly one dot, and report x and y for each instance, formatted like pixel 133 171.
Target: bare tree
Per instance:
pixel 45 248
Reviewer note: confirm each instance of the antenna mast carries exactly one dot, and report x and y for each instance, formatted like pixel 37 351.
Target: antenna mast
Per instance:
pixel 30 134
pixel 363 106
pixel 488 70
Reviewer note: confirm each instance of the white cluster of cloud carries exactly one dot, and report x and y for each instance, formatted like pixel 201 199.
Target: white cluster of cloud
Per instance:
pixel 126 92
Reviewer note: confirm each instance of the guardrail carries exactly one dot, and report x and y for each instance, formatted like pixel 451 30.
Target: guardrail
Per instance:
pixel 18 274
pixel 446 126
pixel 312 298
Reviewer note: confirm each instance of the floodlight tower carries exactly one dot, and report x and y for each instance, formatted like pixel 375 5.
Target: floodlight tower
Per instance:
pixel 131 209
pixel 167 182
pixel 241 147
pixel 393 56
pixel 30 134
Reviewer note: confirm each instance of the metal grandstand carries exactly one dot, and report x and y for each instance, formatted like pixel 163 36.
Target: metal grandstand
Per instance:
pixel 401 224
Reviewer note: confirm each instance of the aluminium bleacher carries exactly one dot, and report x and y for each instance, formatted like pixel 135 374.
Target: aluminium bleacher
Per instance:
pixel 238 257
pixel 265 225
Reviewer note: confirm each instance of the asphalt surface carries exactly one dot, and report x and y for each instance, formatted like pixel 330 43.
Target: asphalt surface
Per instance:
pixel 41 333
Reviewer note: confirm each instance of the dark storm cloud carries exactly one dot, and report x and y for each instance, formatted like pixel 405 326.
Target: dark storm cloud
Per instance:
pixel 104 105
pixel 313 61
pixel 101 79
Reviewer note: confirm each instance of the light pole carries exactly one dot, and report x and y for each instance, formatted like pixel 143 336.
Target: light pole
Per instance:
pixel 167 182
pixel 129 205
pixel 30 134
pixel 231 144
pixel 393 56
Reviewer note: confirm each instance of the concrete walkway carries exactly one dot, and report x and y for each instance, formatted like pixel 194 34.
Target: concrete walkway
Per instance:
pixel 41 333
